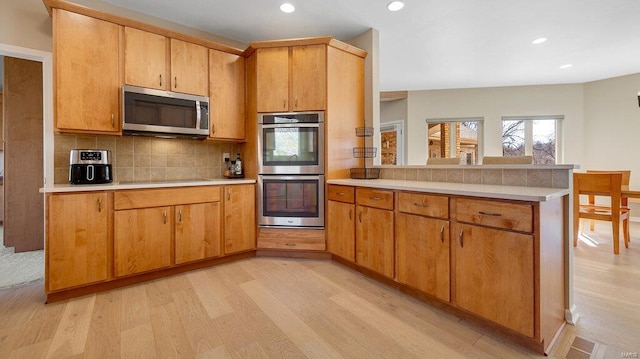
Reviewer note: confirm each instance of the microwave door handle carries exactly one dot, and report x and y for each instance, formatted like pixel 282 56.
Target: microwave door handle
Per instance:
pixel 198 114
pixel 90 173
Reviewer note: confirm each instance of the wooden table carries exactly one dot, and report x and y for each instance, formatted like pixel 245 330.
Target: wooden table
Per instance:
pixel 632 191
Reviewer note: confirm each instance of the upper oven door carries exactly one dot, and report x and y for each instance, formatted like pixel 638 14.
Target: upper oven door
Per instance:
pixel 296 148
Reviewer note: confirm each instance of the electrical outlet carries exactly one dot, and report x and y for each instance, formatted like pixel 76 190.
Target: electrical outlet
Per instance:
pixel 225 157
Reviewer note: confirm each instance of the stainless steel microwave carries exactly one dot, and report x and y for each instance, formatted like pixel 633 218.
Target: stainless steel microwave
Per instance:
pixel 164 113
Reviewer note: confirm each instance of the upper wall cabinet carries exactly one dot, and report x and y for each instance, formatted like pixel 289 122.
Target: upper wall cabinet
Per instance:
pixel 87 85
pixel 189 68
pixel 291 78
pixel 146 62
pixel 226 95
pixel 154 61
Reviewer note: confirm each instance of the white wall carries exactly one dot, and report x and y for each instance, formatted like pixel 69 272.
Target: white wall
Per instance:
pixel 492 104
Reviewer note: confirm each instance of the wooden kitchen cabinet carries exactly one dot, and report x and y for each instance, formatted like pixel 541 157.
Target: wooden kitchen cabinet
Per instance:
pixel 76 240
pixel 494 270
pixel 422 236
pixel 292 78
pixel 375 230
pixel 189 68
pixel 198 232
pixel 87 77
pixel 341 225
pixel 239 218
pixel 142 240
pixel 226 95
pixel 146 60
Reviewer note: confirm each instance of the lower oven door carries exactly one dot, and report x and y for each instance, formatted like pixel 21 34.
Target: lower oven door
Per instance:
pixel 291 201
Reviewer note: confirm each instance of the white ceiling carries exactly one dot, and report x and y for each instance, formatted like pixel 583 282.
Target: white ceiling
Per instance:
pixel 438 44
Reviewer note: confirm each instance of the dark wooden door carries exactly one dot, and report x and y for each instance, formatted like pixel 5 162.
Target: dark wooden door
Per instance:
pixel 23 173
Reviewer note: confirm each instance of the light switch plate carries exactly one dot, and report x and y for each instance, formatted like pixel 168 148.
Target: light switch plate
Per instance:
pixel 225 157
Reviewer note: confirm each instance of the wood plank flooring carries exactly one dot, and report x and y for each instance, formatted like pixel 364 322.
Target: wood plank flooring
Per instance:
pixel 295 308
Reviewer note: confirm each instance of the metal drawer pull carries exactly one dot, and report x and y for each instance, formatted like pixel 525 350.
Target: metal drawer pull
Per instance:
pixel 462 238
pixel 442 234
pixel 180 216
pixel 350 214
pixel 375 198
pixel 164 217
pixel 340 193
pixel 421 205
pixel 99 204
pixel 290 244
pixel 490 214
pixel 113 122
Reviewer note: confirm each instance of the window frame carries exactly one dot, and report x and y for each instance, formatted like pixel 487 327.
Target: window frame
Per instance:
pixel 452 143
pixel 528 132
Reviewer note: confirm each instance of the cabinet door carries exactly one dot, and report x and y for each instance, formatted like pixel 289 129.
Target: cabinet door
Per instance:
pixel 226 95
pixel 341 229
pixel 308 78
pixel 145 59
pixel 77 240
pixel 423 254
pixel 494 275
pixel 87 85
pixel 239 218
pixel 142 240
pixel 374 239
pixel 272 78
pixel 189 68
pixel 198 231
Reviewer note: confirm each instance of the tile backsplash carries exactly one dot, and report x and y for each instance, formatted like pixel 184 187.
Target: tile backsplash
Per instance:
pixel 140 159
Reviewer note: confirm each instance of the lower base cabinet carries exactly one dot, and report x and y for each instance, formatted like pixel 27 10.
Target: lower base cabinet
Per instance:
pixel 198 231
pixel 374 239
pixel 494 275
pixel 77 239
pixel 341 229
pixel 142 240
pixel 423 254
pixel 239 218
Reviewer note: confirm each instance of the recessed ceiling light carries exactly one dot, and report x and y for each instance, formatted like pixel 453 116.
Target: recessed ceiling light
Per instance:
pixel 566 66
pixel 395 5
pixel 287 8
pixel 539 40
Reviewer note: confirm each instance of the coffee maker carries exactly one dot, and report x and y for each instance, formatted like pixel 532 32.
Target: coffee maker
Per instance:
pixel 90 167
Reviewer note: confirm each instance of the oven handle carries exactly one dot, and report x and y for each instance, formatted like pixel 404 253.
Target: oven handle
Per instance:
pixel 289 178
pixel 291 125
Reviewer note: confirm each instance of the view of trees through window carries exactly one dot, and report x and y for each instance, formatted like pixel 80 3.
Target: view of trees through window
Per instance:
pixel 536 137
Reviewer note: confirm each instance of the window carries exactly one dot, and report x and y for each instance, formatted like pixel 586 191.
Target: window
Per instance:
pixel 536 136
pixel 456 137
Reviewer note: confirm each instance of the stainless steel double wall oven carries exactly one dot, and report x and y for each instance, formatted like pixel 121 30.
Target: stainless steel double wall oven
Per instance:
pixel 291 169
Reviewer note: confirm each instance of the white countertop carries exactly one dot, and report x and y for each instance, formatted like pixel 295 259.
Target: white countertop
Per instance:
pixel 114 186
pixel 536 194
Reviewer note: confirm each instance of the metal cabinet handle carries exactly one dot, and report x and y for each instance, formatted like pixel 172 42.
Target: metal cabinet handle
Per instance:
pixel 228 194
pixel 360 216
pixel 213 127
pixel 296 103
pixel 99 204
pixel 284 103
pixel 290 244
pixel 462 238
pixel 374 198
pixel 164 217
pixel 442 234
pixel 160 79
pixel 340 193
pixel 490 214
pixel 421 205
pixel 113 122
pixel 175 82
pixel 179 216
pixel 350 214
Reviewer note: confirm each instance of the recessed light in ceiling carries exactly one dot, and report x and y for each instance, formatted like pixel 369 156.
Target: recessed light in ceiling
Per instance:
pixel 287 8
pixel 539 40
pixel 566 66
pixel 395 5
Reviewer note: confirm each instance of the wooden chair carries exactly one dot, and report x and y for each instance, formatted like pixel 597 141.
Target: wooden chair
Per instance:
pixel 600 184
pixel 626 176
pixel 443 161
pixel 507 160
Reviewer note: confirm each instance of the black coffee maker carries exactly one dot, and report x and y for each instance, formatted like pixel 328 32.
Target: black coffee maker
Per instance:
pixel 90 167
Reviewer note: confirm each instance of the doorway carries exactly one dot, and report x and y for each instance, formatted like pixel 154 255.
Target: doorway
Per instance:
pixel 392 143
pixel 33 80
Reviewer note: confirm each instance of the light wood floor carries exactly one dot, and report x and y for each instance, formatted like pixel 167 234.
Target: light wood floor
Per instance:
pixel 274 308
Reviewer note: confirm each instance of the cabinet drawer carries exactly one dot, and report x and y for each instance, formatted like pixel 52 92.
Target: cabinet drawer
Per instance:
pixel 157 197
pixel 341 193
pixel 376 198
pixel 294 239
pixel 424 204
pixel 512 216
